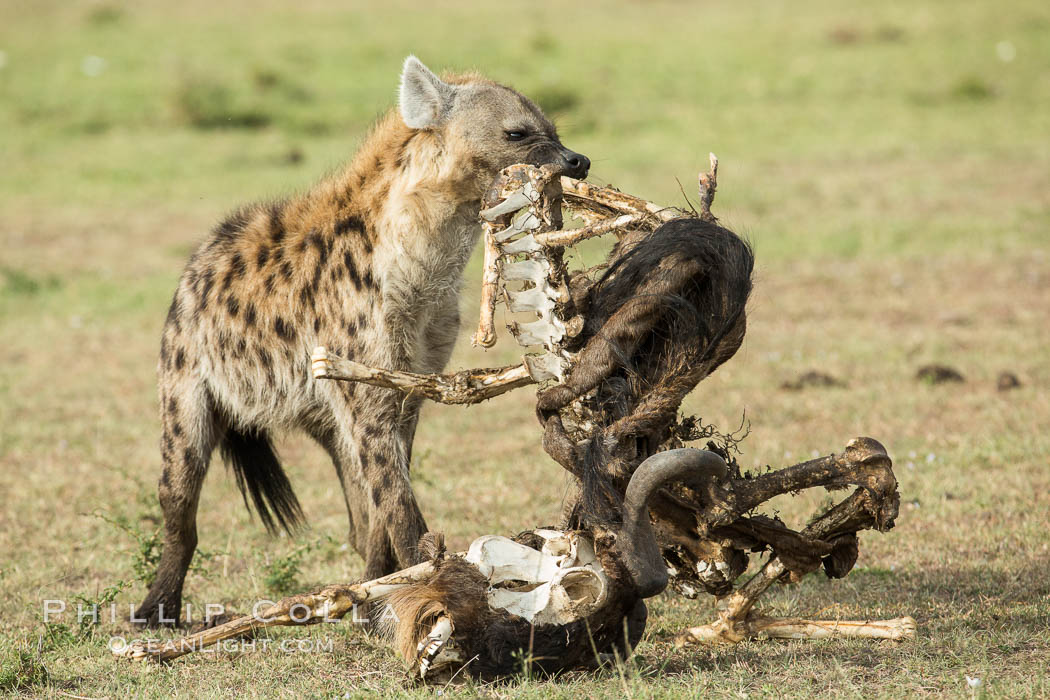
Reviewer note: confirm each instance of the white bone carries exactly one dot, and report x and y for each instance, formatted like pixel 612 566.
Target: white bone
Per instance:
pixel 760 627
pixel 547 332
pixel 514 202
pixel 502 559
pixel 560 583
pixel 545 366
pixel 525 244
pixel 533 270
pixel 526 221
pixel 535 299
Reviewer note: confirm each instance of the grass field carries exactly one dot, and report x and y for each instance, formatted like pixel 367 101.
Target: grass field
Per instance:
pixel 890 163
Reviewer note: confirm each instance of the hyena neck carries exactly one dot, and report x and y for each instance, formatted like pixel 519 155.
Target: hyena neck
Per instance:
pixel 411 184
pixel 421 199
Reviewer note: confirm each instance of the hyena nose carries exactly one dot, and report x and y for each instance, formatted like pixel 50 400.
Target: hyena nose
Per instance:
pixel 578 165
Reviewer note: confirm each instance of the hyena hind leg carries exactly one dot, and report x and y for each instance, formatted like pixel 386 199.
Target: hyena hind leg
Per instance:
pixel 335 444
pixel 190 432
pixel 395 521
pixel 396 525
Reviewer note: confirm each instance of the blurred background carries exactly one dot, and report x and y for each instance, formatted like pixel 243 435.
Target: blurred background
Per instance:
pixel 890 163
pixel 844 128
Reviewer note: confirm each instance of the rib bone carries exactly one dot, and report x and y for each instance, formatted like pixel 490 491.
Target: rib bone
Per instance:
pixel 485 335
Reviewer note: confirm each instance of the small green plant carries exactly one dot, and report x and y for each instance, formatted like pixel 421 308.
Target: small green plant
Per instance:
pixel 283 572
pixel 93 608
pixel 147 556
pixel 149 546
pixel 58 634
pixel 524 659
pixel 89 612
pixel 22 670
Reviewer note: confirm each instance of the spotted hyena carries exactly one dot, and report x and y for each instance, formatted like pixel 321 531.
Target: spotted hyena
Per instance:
pixel 367 263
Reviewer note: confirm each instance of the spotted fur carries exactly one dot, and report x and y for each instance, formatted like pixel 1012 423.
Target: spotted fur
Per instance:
pixel 368 263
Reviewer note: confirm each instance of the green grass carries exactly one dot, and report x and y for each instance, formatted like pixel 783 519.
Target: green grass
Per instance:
pixel 892 169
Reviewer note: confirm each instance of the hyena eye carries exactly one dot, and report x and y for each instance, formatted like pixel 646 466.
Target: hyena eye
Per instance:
pixel 515 134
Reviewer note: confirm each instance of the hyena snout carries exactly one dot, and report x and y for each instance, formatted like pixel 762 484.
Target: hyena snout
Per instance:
pixel 568 162
pixel 576 164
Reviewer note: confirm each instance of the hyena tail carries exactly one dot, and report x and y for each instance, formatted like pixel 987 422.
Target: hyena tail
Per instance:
pixel 259 474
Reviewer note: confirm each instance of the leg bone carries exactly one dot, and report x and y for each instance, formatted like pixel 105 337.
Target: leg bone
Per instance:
pixel 468 386
pixel 330 603
pixel 795 628
pixel 859 510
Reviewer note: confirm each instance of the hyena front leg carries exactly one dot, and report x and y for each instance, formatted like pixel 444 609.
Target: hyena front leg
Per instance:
pixel 407 424
pixel 383 510
pixel 189 434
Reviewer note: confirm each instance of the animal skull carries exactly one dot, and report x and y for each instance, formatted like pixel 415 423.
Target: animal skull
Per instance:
pixel 558 584
pixel 555 585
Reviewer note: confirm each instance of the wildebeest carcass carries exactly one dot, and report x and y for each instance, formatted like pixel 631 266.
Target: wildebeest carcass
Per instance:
pixel 622 345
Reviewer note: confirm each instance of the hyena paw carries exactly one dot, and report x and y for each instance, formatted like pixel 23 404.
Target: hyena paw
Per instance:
pixel 155 615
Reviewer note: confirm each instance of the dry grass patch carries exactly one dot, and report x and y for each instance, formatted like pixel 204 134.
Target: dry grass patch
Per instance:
pixel 966 558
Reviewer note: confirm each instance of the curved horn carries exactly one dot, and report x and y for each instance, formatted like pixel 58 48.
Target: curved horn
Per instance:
pixel 636 544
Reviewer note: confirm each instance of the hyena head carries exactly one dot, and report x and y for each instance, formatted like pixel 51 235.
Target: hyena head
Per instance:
pixel 486 125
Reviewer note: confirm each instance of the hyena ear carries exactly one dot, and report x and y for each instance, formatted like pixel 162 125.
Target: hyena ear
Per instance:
pixel 424 99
